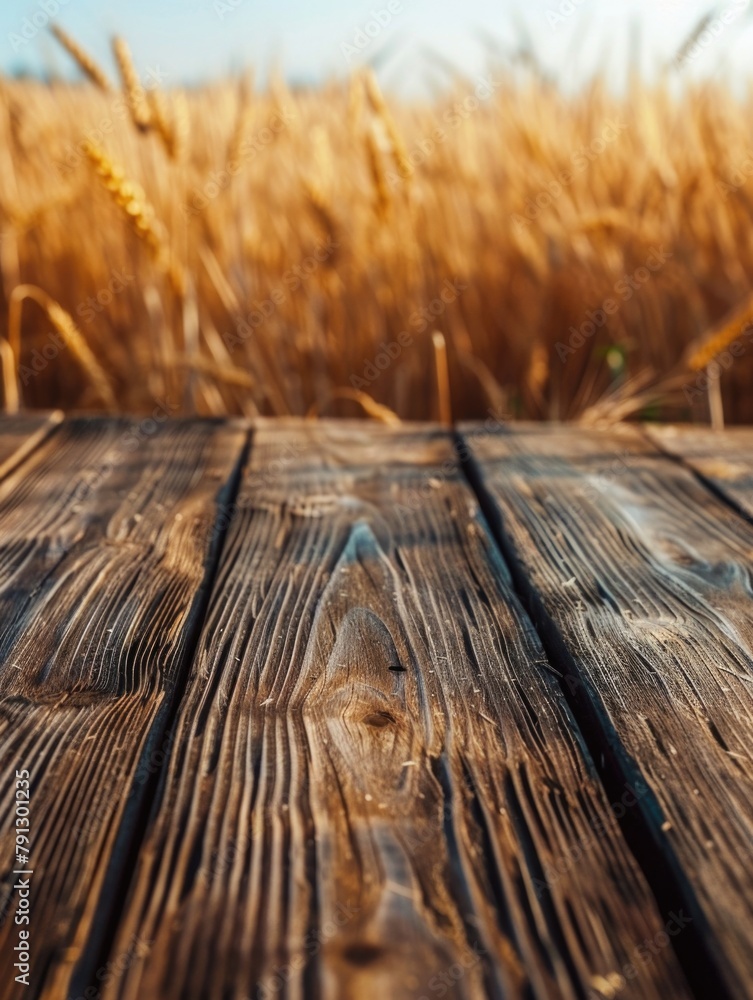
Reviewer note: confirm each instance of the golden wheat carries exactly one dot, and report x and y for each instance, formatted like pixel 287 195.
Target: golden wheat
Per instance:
pixel 717 340
pixel 551 255
pixel 399 151
pixel 161 119
pixel 378 175
pixel 90 68
pixel 134 91
pixel 130 198
pixel 72 338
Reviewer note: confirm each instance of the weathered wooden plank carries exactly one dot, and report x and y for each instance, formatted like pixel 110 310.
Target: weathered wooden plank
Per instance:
pixel 376 788
pixel 646 576
pixel 21 434
pixel 105 545
pixel 724 459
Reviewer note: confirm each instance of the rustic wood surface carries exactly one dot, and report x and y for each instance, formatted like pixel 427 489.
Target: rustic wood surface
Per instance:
pixel 334 710
pixel 724 461
pixel 104 544
pixel 640 577
pixel 20 436
pixel 372 742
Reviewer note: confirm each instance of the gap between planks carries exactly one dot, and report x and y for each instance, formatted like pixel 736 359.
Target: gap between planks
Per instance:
pixel 353 643
pixel 96 533
pixel 523 478
pixel 118 880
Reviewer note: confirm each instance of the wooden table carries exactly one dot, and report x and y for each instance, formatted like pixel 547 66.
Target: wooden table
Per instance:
pixel 338 710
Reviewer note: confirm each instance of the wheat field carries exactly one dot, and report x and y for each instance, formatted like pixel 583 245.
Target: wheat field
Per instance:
pixel 501 247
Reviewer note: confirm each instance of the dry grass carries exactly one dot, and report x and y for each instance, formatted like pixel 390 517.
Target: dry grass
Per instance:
pixel 238 251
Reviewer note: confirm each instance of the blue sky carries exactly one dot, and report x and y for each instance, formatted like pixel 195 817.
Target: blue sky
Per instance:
pixel 192 40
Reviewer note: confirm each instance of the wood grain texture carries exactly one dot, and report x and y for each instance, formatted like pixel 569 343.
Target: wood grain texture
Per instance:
pixel 646 576
pixel 106 534
pixel 375 787
pixel 725 460
pixel 20 435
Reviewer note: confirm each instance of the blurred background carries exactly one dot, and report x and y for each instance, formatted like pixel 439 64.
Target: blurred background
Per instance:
pixel 399 209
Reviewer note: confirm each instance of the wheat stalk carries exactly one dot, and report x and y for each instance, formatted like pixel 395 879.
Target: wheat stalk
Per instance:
pixel 223 373
pixel 719 338
pixel 135 94
pixel 322 325
pixel 376 410
pixel 243 121
pixel 442 373
pixel 131 199
pixel 324 215
pixel 10 385
pixel 378 103
pixel 161 119
pixel 88 66
pixel 181 125
pixel 65 326
pixel 691 39
pixel 378 175
pixel 355 104
pixel 537 374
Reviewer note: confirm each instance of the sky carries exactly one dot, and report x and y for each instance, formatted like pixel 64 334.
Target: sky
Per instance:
pixel 413 42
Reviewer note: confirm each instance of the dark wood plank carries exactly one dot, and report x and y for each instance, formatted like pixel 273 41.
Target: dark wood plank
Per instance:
pixel 105 541
pixel 646 575
pixel 376 789
pixel 21 434
pixel 724 459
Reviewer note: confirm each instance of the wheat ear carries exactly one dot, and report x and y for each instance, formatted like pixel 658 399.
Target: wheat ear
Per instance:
pixel 85 62
pixel 323 213
pixel 243 120
pixel 130 198
pixel 135 94
pixel 720 337
pixel 181 124
pixel 377 175
pixel 162 121
pixel 378 103
pixel 355 104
